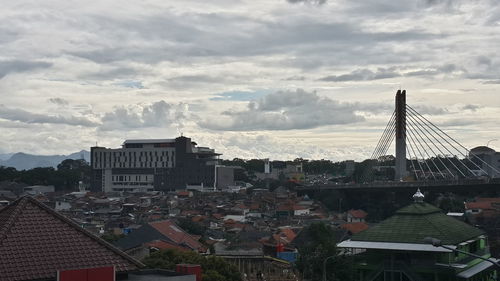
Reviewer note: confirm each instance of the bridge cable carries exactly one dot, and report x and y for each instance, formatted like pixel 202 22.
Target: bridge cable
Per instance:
pixel 415 155
pixel 412 164
pixel 419 130
pixel 413 131
pixel 382 138
pixel 461 162
pixel 409 133
pixel 464 155
pixel 385 145
pixel 444 155
pixel 466 149
pixel 413 136
pixel 382 146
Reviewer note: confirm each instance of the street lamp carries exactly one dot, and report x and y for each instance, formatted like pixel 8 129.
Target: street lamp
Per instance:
pixel 438 243
pixel 324 266
pixel 488 143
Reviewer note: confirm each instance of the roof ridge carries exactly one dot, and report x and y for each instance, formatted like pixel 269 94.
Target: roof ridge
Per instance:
pixel 436 227
pixel 17 210
pixel 71 223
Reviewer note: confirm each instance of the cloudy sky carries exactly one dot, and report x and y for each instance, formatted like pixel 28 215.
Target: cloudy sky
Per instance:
pixel 275 79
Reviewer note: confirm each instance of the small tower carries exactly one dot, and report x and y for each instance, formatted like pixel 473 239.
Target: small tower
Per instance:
pixel 418 197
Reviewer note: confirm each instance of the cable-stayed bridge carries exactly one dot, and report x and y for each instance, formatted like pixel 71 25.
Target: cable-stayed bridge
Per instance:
pixel 426 156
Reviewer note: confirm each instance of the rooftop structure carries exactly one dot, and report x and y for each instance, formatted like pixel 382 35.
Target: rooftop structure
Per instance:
pixel 395 248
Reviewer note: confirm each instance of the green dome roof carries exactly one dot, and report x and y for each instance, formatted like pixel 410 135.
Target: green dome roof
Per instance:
pixel 414 222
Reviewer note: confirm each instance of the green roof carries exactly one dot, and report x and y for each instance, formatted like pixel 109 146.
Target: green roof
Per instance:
pixel 413 223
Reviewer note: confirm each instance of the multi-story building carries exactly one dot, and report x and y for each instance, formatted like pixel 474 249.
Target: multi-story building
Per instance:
pixel 153 164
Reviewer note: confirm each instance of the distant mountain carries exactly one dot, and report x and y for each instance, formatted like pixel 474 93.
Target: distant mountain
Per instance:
pixel 5 156
pixel 23 161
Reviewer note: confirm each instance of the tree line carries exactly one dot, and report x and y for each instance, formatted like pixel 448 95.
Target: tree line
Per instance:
pixel 66 176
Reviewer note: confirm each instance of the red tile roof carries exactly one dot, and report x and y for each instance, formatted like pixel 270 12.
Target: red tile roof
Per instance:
pixel 36 241
pixel 483 205
pixel 355 227
pixel 359 214
pixel 163 245
pixel 176 234
pixel 285 236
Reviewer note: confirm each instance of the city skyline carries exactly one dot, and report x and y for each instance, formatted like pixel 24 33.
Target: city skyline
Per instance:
pixel 252 79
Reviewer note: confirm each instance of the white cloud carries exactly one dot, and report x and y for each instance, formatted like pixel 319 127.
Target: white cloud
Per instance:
pixel 114 71
pixel 286 110
pixel 157 114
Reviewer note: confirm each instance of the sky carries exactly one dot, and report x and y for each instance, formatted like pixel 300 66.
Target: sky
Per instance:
pixel 277 79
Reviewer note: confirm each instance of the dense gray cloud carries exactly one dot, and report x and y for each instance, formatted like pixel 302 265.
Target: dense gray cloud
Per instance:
pixel 430 110
pixel 314 2
pixel 492 82
pixel 13 66
pixel 114 64
pixel 391 72
pixel 363 75
pixel 157 114
pixel 286 110
pixel 16 114
pixel 471 107
pixel 59 101
pixel 189 39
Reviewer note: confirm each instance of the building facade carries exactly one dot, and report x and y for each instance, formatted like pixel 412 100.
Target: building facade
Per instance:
pixel 153 164
pixel 487 159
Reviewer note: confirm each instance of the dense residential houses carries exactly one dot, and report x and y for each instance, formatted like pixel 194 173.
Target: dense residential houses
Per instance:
pixel 38 243
pixel 256 230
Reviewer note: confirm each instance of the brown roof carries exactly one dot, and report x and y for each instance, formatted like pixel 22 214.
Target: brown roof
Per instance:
pixel 176 234
pixel 359 214
pixel 36 241
pixel 355 227
pixel 163 245
pixel 286 235
pixel 484 205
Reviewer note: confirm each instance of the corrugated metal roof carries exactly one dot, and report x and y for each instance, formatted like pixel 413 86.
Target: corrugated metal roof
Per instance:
pixel 393 246
pixel 476 269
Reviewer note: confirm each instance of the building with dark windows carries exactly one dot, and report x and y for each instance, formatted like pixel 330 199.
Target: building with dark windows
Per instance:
pixel 154 164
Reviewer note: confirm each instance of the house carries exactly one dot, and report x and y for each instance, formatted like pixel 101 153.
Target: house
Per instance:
pixel 482 205
pixel 36 242
pixel 137 243
pixel 396 248
pixel 354 227
pixel 356 216
pixel 299 210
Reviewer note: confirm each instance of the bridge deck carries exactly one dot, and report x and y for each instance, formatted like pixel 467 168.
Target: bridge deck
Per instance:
pixel 403 185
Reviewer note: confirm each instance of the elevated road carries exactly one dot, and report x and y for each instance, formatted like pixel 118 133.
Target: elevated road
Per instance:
pixel 444 185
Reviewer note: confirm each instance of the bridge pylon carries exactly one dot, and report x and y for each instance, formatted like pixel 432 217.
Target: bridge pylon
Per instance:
pixel 400 111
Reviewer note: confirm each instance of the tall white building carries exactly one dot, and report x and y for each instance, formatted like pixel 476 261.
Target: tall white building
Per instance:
pixel 153 164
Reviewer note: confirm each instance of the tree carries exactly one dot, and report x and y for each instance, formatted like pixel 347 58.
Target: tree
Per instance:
pixel 320 246
pixel 214 268
pixel 71 172
pixel 190 226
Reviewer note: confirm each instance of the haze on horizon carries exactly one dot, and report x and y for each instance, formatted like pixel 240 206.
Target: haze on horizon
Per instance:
pixel 253 79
